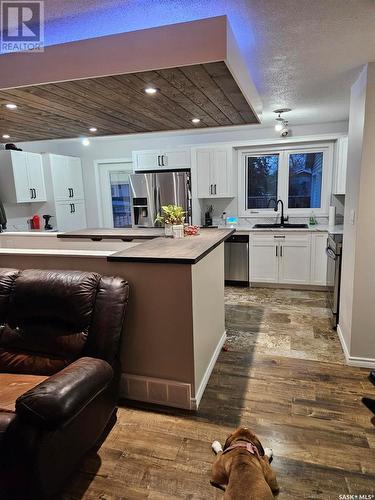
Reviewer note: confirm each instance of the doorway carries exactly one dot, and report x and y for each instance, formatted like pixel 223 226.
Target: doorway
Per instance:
pixel 115 193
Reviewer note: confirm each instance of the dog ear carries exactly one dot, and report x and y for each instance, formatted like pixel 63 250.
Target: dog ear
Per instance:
pixel 258 444
pixel 228 442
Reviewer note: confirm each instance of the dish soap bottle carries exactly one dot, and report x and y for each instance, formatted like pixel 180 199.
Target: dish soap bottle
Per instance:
pixel 312 220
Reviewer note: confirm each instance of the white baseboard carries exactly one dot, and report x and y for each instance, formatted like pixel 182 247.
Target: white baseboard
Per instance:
pixel 354 360
pixel 202 386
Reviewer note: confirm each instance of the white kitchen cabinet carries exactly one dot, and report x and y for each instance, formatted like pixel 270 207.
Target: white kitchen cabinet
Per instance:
pixel 161 159
pixel 70 215
pixel 341 161
pixel 214 173
pixel 21 177
pixel 66 174
pixel 294 258
pixel 263 258
pixel 319 259
pixel 66 200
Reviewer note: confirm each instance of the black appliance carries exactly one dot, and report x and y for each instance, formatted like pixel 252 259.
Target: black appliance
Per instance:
pixel 47 225
pixel 334 251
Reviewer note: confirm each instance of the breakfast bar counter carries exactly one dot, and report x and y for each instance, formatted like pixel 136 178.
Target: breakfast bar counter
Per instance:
pixel 175 322
pixel 188 250
pixel 124 234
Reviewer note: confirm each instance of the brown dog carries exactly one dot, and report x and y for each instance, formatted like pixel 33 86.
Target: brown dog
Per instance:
pixel 244 467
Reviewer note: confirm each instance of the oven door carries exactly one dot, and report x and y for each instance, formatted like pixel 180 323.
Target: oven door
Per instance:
pixel 332 282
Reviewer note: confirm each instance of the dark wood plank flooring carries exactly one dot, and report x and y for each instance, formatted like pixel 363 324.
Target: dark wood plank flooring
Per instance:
pixel 284 376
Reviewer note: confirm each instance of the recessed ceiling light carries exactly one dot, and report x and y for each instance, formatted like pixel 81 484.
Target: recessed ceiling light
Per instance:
pixel 6 136
pixel 196 120
pixel 151 90
pixel 85 141
pixel 93 129
pixel 10 105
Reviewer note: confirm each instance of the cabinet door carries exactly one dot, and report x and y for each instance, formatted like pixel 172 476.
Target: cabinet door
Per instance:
pixel 204 184
pixel 220 174
pixel 263 257
pixel 176 158
pixel 294 259
pixel 74 178
pixel 319 259
pixel 147 160
pixel 60 177
pixel 21 177
pixel 36 177
pixel 70 216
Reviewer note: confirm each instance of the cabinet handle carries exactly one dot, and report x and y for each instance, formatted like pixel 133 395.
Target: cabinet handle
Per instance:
pixel 35 194
pixel 72 192
pixel 31 194
pixel 159 161
pixel 162 161
pixel 211 189
pixel 281 251
pixel 74 208
pixel 215 189
pixel 277 253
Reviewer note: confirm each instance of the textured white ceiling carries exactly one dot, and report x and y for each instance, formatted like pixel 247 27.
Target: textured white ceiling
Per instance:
pixel 302 54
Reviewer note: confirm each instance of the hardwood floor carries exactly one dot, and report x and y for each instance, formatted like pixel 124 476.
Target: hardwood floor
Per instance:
pixel 284 376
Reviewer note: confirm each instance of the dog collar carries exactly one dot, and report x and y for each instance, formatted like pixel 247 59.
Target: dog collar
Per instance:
pixel 250 447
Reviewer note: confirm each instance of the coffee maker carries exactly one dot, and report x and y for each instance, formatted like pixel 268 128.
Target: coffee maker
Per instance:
pixel 47 225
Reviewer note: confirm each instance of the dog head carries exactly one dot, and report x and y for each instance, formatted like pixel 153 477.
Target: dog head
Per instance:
pixel 244 434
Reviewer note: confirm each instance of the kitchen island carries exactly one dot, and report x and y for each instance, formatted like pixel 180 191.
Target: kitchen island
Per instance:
pixel 175 325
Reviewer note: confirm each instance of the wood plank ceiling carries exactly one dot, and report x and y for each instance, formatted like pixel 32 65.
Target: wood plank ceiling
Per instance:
pixel 119 105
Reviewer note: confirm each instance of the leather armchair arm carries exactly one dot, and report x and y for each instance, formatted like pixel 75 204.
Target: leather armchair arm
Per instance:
pixel 64 395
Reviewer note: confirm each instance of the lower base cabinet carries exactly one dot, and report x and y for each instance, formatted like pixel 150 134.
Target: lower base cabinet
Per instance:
pixel 288 258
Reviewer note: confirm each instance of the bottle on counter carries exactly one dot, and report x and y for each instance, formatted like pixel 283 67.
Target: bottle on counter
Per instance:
pixel 224 217
pixel 312 220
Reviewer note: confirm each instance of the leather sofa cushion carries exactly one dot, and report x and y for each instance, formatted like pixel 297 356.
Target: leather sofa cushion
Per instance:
pixel 12 386
pixel 7 278
pixel 47 320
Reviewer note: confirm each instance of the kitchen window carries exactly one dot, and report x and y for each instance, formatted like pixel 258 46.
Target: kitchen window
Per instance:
pixel 262 176
pixel 300 176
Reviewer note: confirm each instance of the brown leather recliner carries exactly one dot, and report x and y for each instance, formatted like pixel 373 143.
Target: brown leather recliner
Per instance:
pixel 59 374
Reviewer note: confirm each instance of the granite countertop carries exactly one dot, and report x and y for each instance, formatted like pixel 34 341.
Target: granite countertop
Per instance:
pixel 188 250
pixel 124 234
pixel 319 228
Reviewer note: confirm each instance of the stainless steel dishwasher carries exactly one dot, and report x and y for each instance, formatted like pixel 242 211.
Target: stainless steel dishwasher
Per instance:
pixel 237 260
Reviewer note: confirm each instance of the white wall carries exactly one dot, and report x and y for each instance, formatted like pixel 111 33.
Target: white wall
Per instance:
pixel 357 324
pixel 116 147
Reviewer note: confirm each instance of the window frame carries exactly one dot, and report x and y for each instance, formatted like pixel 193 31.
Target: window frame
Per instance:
pixel 283 178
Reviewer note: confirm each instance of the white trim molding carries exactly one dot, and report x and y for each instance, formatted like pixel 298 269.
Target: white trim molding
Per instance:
pixel 202 386
pixel 283 151
pixel 354 360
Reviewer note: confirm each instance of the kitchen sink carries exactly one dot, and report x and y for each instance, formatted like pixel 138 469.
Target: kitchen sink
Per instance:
pixel 279 226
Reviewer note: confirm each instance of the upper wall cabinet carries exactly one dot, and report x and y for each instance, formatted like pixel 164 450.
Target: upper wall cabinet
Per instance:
pixel 66 174
pixel 159 159
pixel 341 161
pixel 214 172
pixel 21 177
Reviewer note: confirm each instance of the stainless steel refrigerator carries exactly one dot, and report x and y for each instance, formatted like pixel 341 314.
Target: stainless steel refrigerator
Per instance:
pixel 151 190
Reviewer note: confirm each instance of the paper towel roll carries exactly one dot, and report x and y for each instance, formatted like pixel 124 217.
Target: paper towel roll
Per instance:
pixel 332 216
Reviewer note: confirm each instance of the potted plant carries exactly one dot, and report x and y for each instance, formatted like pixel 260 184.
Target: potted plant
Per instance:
pixel 173 219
